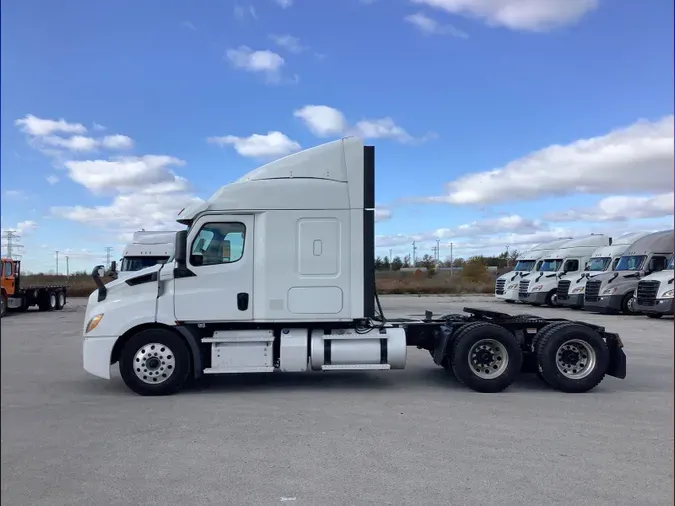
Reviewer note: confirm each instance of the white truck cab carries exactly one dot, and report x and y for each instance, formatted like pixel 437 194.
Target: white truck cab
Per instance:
pixel 275 273
pixel 568 260
pixel 614 292
pixel 147 248
pixel 655 293
pixel 605 259
pixel 506 286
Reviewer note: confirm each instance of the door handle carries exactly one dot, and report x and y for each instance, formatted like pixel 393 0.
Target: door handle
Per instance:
pixel 242 301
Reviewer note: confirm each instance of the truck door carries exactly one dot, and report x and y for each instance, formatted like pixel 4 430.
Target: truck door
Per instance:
pixel 8 277
pixel 220 255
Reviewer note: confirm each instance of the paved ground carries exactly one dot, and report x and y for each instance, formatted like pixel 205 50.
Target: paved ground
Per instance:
pixel 400 438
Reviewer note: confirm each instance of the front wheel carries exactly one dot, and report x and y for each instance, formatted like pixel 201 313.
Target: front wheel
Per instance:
pixel 654 315
pixel 628 304
pixel 552 298
pixel 155 362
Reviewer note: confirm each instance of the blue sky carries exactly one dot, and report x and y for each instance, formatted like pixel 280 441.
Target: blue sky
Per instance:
pixel 445 90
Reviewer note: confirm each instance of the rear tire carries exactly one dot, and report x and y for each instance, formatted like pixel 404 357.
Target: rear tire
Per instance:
pixel 3 306
pixel 47 301
pixel 155 362
pixel 571 357
pixel 60 301
pixel 479 347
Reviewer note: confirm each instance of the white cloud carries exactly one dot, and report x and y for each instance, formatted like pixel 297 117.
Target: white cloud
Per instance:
pixel 117 141
pixel 22 227
pixel 98 127
pixel 15 194
pixel 284 4
pixel 74 143
pixel 325 121
pixel 259 145
pixel 52 179
pixel 525 15
pixel 240 11
pixel 35 126
pixel 265 62
pixel 382 214
pixel 430 26
pixel 288 42
pixel 123 173
pixel 634 159
pixel 620 208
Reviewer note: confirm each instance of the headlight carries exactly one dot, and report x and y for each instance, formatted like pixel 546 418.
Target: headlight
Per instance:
pixel 578 289
pixel 609 291
pixel 93 323
pixel 537 288
pixel 668 294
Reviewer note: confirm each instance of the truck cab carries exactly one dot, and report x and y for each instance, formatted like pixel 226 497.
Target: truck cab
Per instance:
pixel 605 259
pixel 569 260
pixel 654 296
pixel 613 292
pixel 506 286
pixel 148 248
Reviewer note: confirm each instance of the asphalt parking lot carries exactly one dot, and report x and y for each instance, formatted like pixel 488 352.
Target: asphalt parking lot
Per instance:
pixel 395 438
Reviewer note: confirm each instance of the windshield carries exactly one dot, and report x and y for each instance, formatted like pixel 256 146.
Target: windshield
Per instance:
pixel 138 263
pixel 551 265
pixel 670 264
pixel 630 263
pixel 524 265
pixel 598 264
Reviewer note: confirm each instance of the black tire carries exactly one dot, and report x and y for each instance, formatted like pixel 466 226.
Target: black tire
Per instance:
pixel 550 297
pixel 47 301
pixel 625 304
pixel 462 345
pixel 60 300
pixel 168 346
pixel 656 316
pixel 3 306
pixel 544 331
pixel 548 345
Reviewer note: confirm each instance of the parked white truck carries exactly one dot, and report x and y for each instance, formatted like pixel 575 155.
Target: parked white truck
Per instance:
pixel 506 286
pixel 147 248
pixel 275 272
pixel 568 260
pixel 571 290
pixel 655 293
pixel 613 292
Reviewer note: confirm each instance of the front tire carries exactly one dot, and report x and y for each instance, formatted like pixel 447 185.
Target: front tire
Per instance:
pixel 628 304
pixel 552 298
pixel 654 315
pixel 3 306
pixel 486 357
pixel 155 362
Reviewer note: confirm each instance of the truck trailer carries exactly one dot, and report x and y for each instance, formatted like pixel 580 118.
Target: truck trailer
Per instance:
pixel 654 296
pixel 614 292
pixel 16 296
pixel 568 260
pixel 604 259
pixel 275 273
pixel 528 262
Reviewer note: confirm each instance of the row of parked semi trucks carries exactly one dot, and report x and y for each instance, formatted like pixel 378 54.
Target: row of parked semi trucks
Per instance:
pixel 632 274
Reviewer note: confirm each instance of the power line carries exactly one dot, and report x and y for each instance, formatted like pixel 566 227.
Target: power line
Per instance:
pixel 12 243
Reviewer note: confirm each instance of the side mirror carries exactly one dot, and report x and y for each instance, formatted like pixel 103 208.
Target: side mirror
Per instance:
pixel 180 248
pixel 112 272
pixel 652 265
pixel 98 272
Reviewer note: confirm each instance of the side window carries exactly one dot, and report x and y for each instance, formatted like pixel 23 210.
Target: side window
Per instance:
pixel 571 266
pixel 7 272
pixel 660 263
pixel 218 243
pixel 615 263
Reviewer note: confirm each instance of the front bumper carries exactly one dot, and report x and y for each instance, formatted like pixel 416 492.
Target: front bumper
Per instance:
pixel 509 294
pixel 96 353
pixel 661 306
pixel 536 298
pixel 604 304
pixel 573 300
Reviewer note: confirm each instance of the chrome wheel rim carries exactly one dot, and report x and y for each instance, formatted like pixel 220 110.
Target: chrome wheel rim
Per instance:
pixel 154 363
pixel 488 359
pixel 575 359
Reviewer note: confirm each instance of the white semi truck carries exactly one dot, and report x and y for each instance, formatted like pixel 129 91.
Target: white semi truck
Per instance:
pixel 506 286
pixel 275 273
pixel 568 260
pixel 614 292
pixel 605 259
pixel 147 248
pixel 654 296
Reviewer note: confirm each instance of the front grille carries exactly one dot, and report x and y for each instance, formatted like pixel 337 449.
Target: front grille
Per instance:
pixel 592 291
pixel 522 288
pixel 564 289
pixel 647 291
pixel 499 287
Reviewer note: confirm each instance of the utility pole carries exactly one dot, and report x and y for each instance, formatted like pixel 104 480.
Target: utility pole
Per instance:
pixel 11 239
pixel 57 262
pixel 108 252
pixel 67 267
pixel 438 251
pixel 390 259
pixel 414 260
pixel 451 260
